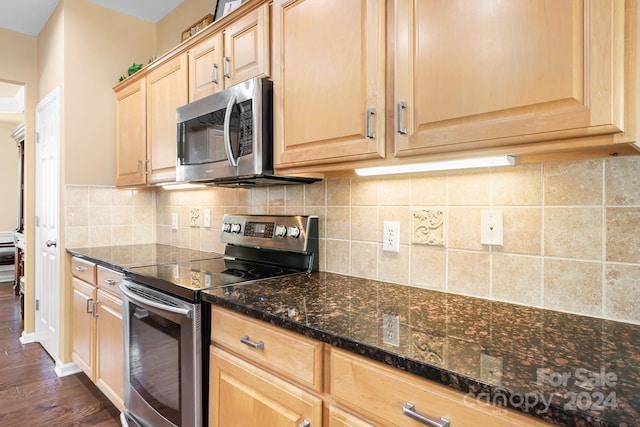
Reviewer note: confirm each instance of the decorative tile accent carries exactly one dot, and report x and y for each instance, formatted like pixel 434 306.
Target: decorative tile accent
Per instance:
pixel 428 227
pixel 194 217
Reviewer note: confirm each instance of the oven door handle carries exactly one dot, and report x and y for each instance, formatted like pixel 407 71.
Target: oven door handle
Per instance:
pixel 137 299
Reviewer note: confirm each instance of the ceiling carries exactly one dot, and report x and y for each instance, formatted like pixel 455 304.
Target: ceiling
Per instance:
pixel 30 16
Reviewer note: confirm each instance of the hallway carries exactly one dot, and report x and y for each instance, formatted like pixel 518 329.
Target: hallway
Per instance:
pixel 31 393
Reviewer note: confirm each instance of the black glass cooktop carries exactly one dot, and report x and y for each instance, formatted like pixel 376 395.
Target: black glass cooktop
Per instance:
pixel 187 279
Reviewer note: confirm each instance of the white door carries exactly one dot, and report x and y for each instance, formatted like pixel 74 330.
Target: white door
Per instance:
pixel 47 206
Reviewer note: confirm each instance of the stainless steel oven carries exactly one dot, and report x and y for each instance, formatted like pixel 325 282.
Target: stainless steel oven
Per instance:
pixel 163 347
pixel 167 325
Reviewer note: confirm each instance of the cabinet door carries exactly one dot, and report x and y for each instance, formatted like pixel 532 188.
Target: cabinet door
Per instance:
pixel 246 47
pixel 131 133
pixel 83 326
pixel 243 395
pixel 340 418
pixel 329 82
pixel 167 88
pixel 205 67
pixel 109 348
pixel 479 73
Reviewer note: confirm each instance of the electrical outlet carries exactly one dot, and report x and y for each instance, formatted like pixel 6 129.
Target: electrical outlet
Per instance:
pixel 207 218
pixel 391 236
pixel 491 228
pixel 174 221
pixel 391 329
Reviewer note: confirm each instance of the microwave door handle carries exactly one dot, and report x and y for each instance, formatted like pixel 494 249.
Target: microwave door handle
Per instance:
pixel 181 137
pixel 227 132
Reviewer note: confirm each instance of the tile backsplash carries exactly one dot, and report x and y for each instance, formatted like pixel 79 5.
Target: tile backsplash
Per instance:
pixel 571 229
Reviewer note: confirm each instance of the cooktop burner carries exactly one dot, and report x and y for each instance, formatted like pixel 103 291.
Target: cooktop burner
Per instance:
pixel 187 279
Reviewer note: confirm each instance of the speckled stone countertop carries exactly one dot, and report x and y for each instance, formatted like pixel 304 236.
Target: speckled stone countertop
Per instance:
pixel 567 369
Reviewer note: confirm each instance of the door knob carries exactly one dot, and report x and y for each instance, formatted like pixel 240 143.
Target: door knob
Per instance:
pixel 50 243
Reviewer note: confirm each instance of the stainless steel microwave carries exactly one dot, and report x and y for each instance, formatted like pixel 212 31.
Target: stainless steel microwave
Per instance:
pixel 226 139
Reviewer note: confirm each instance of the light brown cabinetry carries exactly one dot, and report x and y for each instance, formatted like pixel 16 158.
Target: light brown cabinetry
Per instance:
pixel 329 81
pixel 167 87
pixel 258 373
pixel 470 74
pixel 231 55
pixel 97 345
pixel 131 133
pixel 263 385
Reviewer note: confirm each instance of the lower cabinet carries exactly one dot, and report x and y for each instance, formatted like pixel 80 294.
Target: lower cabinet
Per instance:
pixel 97 344
pixel 251 384
pixel 244 395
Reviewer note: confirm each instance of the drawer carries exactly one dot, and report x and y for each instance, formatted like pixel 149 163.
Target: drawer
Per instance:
pixel 291 355
pixel 83 269
pixel 381 392
pixel 109 280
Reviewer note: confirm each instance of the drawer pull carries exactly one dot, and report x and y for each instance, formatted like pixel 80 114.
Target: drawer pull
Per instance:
pixel 110 282
pixel 305 423
pixel 78 268
pixel 245 340
pixel 409 409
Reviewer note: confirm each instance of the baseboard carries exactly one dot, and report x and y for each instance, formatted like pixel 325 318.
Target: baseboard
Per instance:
pixel 64 369
pixel 27 338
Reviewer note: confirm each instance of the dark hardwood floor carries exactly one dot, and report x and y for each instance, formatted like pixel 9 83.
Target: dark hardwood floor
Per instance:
pixel 31 394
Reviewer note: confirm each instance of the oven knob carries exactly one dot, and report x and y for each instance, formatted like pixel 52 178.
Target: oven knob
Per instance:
pixel 281 231
pixel 226 227
pixel 235 228
pixel 294 232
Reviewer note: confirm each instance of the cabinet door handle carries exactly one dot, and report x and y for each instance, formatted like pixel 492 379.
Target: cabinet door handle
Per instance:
pixel 246 340
pixel 409 409
pixel 89 310
pixel 94 311
pixel 139 167
pixel 226 67
pixel 305 423
pixel 146 167
pixel 370 112
pixel 214 74
pixel 401 107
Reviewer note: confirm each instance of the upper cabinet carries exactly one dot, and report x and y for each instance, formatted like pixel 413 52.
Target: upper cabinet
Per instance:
pixel 236 53
pixel 329 81
pixel 476 74
pixel 166 90
pixel 131 133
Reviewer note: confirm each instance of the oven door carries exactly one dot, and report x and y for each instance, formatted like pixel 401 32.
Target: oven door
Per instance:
pixel 162 349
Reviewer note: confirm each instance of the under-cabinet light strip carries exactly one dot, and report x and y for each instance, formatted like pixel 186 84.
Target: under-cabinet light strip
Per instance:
pixel 439 166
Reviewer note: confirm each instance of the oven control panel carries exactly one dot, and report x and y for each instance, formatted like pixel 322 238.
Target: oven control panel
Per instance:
pixel 273 231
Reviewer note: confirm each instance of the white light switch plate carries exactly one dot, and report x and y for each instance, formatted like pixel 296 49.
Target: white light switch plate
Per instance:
pixel 491 228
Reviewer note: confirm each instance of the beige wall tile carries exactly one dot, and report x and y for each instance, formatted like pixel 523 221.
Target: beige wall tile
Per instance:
pixel 517 279
pixel 122 197
pixel 428 226
pixel 122 215
pixel 573 286
pixel 338 224
pixel 364 259
pixel 77 237
pixel 429 189
pixel 295 197
pixel 99 215
pixel 393 267
pixel 364 224
pixel 122 235
pixel 468 188
pixel 276 195
pixel 364 191
pixel 622 181
pixel 394 191
pixel 623 236
pixel 428 267
pixel 338 256
pixel 463 228
pixel 468 273
pixel 76 195
pixel 520 185
pixel 522 231
pixel 100 196
pixel 622 292
pixel 100 236
pixel 573 232
pixel 76 215
pixel 338 192
pixel 315 194
pixel 573 183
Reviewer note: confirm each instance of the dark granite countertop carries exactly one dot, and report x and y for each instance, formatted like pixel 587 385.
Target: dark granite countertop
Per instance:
pixel 567 369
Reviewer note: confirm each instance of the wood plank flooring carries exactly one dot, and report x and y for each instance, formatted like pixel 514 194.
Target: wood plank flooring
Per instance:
pixel 31 394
